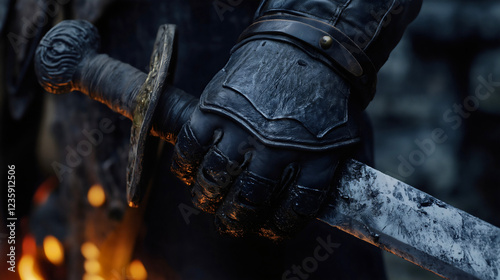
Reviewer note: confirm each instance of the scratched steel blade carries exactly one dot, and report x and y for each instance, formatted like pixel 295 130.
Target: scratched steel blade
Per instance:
pixel 413 225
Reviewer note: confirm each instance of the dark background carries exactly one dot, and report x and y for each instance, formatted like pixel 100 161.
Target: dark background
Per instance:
pixel 439 63
pixel 438 66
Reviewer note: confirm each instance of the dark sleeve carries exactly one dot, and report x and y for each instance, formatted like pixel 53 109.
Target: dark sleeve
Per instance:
pixel 376 26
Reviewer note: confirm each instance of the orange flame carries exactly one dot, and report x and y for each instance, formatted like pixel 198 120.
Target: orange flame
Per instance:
pixel 137 270
pixel 92 277
pixel 29 245
pixel 89 251
pixel 28 269
pixel 92 266
pixel 54 250
pixel 43 191
pixel 96 195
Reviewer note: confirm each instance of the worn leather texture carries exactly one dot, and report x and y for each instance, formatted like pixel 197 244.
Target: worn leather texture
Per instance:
pixel 299 111
pixel 288 97
pixel 283 96
pixel 323 42
pixel 376 26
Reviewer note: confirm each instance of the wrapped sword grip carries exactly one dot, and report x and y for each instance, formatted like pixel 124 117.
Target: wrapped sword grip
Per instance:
pixel 67 60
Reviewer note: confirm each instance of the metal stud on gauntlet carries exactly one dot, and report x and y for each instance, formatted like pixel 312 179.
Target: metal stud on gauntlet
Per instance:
pixel 262 147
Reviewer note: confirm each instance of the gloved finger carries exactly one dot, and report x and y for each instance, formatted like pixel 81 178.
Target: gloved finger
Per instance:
pixel 302 200
pixel 216 173
pixel 250 197
pixel 188 153
pixel 192 143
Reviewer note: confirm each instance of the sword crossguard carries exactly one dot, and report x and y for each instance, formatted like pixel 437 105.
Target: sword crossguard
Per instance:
pixel 67 60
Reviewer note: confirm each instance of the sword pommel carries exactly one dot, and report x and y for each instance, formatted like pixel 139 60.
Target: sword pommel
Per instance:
pixel 67 60
pixel 61 52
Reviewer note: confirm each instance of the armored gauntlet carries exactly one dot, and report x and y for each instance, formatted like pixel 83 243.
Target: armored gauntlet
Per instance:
pixel 261 149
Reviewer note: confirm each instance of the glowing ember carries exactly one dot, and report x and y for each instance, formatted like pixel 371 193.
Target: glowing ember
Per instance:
pixel 89 251
pixel 27 270
pixel 92 267
pixel 44 190
pixel 92 277
pixel 96 195
pixel 137 270
pixel 54 250
pixel 29 245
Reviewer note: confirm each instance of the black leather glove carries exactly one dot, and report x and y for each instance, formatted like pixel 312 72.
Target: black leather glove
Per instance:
pixel 261 149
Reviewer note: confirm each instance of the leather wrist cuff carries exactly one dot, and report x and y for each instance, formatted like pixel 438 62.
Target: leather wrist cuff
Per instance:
pixel 323 42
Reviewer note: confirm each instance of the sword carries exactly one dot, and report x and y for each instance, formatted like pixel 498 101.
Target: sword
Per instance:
pixel 367 204
pixel 413 225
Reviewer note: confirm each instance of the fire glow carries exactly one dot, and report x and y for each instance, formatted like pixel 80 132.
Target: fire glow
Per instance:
pixel 54 250
pixel 28 269
pixel 91 265
pixel 137 270
pixel 96 196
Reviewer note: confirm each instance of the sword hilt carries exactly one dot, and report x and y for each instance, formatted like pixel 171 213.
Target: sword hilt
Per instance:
pixel 67 60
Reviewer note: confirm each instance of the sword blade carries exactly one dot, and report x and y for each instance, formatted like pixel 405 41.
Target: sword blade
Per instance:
pixel 413 225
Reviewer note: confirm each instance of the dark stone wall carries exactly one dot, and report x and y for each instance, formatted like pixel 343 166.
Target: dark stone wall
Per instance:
pixel 437 109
